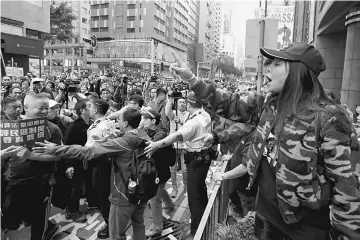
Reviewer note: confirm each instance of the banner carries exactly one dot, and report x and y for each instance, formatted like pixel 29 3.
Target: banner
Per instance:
pixel 14 71
pixel 22 132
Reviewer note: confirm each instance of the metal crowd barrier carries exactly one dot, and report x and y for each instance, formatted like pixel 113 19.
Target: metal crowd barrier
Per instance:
pixel 216 210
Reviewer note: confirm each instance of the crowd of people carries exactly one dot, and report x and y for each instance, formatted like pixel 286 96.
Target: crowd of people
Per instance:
pixel 290 149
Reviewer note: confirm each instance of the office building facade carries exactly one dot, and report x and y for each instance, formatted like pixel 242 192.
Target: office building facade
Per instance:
pixel 163 23
pixel 334 28
pixel 22 25
pixel 209 33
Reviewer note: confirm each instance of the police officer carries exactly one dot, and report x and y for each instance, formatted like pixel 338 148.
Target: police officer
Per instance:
pixel 197 158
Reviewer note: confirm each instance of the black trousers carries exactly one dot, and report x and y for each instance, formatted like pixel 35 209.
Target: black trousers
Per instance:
pixel 25 202
pixel 197 191
pixel 67 192
pixel 97 185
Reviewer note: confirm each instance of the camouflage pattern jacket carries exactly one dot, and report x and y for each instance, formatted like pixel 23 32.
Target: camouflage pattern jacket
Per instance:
pixel 305 181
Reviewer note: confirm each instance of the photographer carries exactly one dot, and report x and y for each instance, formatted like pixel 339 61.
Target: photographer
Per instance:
pixel 38 87
pixel 177 119
pixel 158 104
pixel 68 95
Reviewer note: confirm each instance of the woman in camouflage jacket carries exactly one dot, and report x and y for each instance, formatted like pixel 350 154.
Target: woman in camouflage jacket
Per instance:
pixel 300 155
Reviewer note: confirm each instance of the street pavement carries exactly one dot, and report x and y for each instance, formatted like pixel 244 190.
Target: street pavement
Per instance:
pixel 88 230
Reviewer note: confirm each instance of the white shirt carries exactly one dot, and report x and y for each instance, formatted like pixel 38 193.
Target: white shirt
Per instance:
pixel 101 129
pixel 183 117
pixel 198 124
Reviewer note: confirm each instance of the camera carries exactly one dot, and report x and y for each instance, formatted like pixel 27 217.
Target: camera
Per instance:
pixel 153 79
pixel 176 94
pixel 71 85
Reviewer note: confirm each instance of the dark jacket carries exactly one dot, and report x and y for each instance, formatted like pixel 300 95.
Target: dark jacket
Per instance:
pixel 302 179
pixel 164 156
pixel 120 149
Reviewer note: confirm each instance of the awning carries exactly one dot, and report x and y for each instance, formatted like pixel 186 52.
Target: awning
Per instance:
pixel 22 45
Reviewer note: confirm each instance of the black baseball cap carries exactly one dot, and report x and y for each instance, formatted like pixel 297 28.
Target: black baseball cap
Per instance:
pixel 298 52
pixel 150 113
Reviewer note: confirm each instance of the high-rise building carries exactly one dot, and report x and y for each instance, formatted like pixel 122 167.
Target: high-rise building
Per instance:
pixel 193 33
pixel 172 24
pixel 209 32
pixel 73 54
pixel 227 39
pixel 22 25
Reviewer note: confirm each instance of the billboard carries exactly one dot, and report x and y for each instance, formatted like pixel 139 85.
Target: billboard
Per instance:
pixel 285 16
pixel 252 42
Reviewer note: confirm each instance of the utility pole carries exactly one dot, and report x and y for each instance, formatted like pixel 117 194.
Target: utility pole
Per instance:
pixel 261 44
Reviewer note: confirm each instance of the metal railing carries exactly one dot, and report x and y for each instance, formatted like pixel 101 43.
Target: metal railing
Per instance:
pixel 216 210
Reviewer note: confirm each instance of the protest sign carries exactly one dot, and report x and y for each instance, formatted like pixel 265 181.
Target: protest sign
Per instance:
pixel 22 132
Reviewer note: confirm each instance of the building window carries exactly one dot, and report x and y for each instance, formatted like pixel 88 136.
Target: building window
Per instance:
pixel 130 30
pixel 140 17
pixel 131 6
pixel 95 6
pixel 84 20
pixel 131 18
pixel 94 18
pixel 84 10
pixel 140 29
pixel 94 29
pixel 104 29
pixel 104 17
pixel 104 5
pixel 140 5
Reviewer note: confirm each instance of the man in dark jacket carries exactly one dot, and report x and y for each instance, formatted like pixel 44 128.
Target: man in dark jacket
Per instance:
pixel 164 158
pixel 70 174
pixel 121 151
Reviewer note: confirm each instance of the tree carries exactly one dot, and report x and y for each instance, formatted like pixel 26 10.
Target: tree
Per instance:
pixel 61 17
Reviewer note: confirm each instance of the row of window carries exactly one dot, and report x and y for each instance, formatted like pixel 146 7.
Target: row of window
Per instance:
pixel 132 30
pixel 98 6
pixel 180 33
pixel 101 17
pixel 181 6
pixel 159 20
pixel 101 29
pixel 159 8
pixel 159 32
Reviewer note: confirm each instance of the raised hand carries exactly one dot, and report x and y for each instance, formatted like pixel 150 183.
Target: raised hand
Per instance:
pixel 180 68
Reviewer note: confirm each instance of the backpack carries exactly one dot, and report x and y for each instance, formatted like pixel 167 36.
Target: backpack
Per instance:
pixel 143 172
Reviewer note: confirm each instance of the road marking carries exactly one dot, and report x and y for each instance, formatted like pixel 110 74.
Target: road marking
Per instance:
pixel 92 219
pixel 166 231
pixel 93 237
pixel 92 225
pixel 180 211
pixel 66 227
pixel 61 218
pixel 71 237
pixel 99 227
pixel 171 237
pixel 77 226
pixel 52 217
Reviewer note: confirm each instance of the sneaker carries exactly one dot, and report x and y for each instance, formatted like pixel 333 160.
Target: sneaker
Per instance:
pixel 104 233
pixel 174 192
pixel 151 232
pixel 76 217
pixel 51 231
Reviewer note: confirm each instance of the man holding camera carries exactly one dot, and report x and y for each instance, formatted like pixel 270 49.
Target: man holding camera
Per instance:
pixel 177 119
pixel 197 157
pixel 158 104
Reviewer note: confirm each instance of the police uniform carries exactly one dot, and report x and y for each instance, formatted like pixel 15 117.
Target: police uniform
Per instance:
pixel 197 160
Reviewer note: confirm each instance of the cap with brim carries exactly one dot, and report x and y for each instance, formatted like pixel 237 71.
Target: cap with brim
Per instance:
pixel 150 113
pixel 53 103
pixel 298 52
pixel 37 80
pixel 272 54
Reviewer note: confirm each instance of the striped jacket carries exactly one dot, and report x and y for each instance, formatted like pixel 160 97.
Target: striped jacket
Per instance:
pixel 304 181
